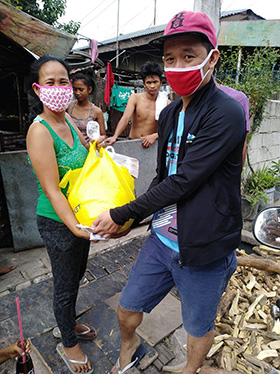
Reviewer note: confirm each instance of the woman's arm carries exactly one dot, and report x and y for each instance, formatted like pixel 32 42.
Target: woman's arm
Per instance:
pixel 40 148
pixel 98 114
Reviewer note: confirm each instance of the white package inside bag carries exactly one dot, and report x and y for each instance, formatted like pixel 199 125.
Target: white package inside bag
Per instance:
pixel 93 130
pixel 131 163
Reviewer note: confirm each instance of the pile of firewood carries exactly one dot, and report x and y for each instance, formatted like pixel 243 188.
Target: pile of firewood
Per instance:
pixel 247 338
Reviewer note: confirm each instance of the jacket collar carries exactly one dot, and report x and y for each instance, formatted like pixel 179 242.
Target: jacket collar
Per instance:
pixel 203 95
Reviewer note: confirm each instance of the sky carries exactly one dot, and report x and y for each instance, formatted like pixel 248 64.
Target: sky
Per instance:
pixel 99 17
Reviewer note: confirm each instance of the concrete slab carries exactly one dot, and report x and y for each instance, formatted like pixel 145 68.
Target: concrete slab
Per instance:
pixel 21 196
pixel 22 260
pixel 176 344
pixel 161 322
pixel 35 295
pixel 248 237
pixel 101 289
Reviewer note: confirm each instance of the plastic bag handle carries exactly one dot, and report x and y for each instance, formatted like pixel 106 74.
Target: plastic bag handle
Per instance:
pixel 111 149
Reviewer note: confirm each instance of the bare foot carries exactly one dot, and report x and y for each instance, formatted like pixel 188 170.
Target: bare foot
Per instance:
pixel 6 270
pixel 81 328
pixel 75 353
pixel 126 353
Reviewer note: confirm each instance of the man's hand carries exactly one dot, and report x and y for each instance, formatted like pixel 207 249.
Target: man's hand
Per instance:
pixel 111 140
pixel 148 140
pixel 104 225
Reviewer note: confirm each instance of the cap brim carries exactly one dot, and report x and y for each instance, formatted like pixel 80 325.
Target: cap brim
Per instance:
pixel 158 42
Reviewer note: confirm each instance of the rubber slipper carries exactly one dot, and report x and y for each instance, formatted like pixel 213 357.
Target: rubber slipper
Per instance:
pixel 68 361
pixel 138 355
pixel 4 271
pixel 81 335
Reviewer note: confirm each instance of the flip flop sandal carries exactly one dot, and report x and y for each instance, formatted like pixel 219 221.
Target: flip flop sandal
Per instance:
pixel 138 355
pixel 80 335
pixel 68 361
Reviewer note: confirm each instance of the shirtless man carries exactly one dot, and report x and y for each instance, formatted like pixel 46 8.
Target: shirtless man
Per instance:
pixel 141 108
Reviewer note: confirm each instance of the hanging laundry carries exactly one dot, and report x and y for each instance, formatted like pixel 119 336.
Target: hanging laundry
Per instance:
pixel 109 82
pixel 93 50
pixel 120 96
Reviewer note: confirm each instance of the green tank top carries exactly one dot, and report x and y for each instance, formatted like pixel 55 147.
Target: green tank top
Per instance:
pixel 67 158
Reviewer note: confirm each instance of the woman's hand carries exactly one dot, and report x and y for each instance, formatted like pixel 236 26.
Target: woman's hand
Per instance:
pixel 80 233
pixel 101 142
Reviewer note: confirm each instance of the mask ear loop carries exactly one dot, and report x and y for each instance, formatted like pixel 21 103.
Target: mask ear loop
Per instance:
pixel 201 66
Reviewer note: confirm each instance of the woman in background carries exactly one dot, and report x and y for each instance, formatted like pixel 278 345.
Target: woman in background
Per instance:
pixel 82 110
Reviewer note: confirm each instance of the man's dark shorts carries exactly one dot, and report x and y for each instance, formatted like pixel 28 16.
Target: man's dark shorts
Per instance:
pixel 200 288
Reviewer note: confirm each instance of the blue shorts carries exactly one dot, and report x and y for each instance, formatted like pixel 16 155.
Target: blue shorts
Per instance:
pixel 157 270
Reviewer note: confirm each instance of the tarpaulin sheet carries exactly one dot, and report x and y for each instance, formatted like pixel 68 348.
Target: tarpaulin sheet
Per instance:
pixel 33 34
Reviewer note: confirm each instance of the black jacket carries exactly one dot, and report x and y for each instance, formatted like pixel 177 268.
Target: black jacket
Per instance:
pixel 206 186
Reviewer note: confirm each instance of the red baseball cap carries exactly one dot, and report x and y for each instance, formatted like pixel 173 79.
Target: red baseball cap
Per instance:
pixel 188 22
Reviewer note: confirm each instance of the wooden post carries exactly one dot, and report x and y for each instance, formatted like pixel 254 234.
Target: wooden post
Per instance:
pixel 117 40
pixel 212 9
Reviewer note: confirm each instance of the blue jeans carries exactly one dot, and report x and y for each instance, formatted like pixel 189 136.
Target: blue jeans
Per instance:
pixel 200 288
pixel 68 255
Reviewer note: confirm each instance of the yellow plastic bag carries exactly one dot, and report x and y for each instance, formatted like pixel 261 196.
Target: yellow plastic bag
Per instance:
pixel 99 185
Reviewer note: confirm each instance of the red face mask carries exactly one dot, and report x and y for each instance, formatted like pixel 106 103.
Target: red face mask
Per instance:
pixel 185 81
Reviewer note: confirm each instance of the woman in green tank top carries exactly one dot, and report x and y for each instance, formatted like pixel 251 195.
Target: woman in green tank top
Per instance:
pixel 54 146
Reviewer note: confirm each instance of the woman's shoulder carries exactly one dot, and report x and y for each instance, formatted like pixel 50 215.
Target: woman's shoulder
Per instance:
pixel 38 132
pixel 38 124
pixel 71 106
pixel 95 108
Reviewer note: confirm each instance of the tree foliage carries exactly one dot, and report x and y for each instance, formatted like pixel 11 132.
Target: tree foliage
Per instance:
pixel 49 11
pixel 257 77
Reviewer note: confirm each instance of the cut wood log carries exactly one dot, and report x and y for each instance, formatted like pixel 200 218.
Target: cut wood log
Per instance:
pixel 267 353
pixel 225 303
pixel 174 368
pixel 259 263
pixel 275 344
pixel 252 307
pixel 214 349
pixel 212 370
pixel 262 253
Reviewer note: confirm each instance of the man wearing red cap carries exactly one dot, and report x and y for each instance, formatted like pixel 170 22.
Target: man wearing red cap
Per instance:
pixel 195 197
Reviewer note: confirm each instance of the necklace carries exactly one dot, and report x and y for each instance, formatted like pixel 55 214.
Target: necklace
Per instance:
pixel 84 111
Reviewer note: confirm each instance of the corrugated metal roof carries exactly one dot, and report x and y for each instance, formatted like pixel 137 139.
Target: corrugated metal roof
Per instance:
pixel 227 13
pixel 135 34
pixel 156 29
pixel 246 33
